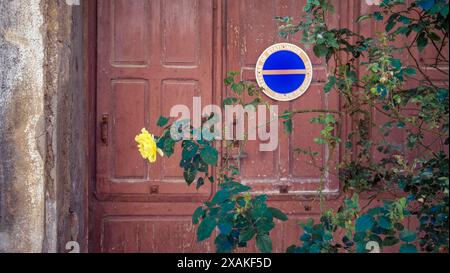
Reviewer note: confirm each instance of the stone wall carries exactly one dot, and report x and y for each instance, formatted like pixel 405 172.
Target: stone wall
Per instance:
pixel 42 126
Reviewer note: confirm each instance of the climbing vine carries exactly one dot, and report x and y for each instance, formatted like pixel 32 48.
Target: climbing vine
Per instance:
pixel 411 177
pixel 371 79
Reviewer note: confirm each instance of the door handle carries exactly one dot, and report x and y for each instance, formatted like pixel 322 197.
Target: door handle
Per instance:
pixel 104 129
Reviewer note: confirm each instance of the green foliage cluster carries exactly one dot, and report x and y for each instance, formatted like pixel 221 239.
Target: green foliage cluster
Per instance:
pixel 370 77
pixel 382 224
pixel 238 215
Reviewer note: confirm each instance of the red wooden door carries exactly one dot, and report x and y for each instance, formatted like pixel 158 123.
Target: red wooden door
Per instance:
pixel 153 54
pixel 251 28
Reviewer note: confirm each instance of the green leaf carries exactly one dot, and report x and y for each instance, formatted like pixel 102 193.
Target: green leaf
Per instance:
pixel 288 126
pixel 278 214
pixel 433 36
pixel 229 101
pixel 197 214
pixel 282 34
pixel 220 196
pixel 330 84
pixel 363 17
pixel 286 114
pixel 168 146
pixel 396 63
pixel 364 223
pixel 405 30
pixel 225 227
pixel 265 225
pixel 223 244
pixel 391 22
pixel 400 124
pixel 444 11
pixel 408 248
pixel 422 41
pixel 361 247
pixel 399 226
pixel 405 20
pixel 320 50
pixel 390 241
pixel 209 155
pixel 320 141
pixel 390 25
pixel 205 228
pixel 211 179
pixel 162 121
pixel 237 188
pixel 189 174
pixel 376 238
pixel 189 149
pixel 199 164
pixel 237 88
pixel 228 81
pixel 230 78
pixel 200 182
pixel 378 16
pixel 410 71
pixel 255 102
pixel 246 235
pixel 382 90
pixel 264 243
pixel 426 4
pixel 408 236
pixel 385 222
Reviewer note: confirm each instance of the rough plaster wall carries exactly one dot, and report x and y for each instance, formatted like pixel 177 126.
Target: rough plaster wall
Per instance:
pixel 42 132
pixel 22 130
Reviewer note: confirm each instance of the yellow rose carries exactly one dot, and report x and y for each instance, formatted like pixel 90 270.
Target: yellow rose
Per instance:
pixel 147 146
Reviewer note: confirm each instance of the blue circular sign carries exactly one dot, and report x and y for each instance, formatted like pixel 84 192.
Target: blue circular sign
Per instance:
pixel 284 71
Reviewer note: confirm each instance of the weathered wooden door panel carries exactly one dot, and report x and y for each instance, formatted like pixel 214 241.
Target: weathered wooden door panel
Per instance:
pixel 149 227
pixel 251 28
pixel 152 55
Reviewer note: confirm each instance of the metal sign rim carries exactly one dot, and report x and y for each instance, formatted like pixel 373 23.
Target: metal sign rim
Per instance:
pixel 266 89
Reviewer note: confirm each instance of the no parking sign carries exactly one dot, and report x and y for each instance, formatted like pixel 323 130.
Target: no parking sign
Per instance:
pixel 284 71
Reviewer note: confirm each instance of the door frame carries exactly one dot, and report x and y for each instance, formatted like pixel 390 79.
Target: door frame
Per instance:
pixel 220 39
pixel 90 78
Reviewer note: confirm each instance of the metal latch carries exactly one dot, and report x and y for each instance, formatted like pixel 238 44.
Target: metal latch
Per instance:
pixel 154 189
pixel 104 129
pixel 284 189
